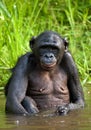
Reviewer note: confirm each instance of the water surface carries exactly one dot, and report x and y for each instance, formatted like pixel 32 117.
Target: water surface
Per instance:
pixel 75 120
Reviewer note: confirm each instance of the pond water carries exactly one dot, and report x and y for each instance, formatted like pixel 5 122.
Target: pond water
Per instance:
pixel 75 120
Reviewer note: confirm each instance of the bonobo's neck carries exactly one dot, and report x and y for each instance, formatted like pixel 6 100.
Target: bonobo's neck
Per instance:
pixel 50 71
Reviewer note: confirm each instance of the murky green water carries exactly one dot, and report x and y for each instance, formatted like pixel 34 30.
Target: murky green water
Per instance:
pixel 76 120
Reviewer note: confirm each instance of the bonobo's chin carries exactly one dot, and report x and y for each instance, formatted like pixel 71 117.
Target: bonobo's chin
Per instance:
pixel 49 66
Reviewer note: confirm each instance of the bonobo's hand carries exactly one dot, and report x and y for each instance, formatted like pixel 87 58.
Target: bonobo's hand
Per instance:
pixel 62 110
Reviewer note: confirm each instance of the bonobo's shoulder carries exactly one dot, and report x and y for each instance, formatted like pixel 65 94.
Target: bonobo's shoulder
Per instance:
pixel 67 54
pixel 26 57
pixel 68 63
pixel 23 61
pixel 67 57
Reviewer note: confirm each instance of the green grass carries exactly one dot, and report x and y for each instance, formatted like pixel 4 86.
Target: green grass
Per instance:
pixel 22 19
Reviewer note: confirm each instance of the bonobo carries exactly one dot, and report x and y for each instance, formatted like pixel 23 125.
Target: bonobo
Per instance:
pixel 45 79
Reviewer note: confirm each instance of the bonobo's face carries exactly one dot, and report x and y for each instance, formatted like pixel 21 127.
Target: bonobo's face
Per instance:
pixel 48 48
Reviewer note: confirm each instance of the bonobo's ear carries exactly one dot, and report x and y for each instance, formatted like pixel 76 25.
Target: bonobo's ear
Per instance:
pixel 66 43
pixel 31 42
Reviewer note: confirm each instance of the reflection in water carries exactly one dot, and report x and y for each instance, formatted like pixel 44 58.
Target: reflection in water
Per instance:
pixel 76 120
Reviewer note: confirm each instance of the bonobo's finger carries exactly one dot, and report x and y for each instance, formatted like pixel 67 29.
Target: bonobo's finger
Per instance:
pixel 33 110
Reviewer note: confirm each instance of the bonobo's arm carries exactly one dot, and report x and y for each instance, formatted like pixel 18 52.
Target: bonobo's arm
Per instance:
pixel 16 88
pixel 75 89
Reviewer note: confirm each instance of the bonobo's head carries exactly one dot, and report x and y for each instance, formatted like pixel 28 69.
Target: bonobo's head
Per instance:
pixel 48 48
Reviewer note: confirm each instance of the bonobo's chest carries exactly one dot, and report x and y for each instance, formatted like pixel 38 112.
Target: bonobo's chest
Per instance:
pixel 46 83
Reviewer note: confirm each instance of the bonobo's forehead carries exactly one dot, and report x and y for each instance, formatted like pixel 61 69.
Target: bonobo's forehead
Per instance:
pixel 49 38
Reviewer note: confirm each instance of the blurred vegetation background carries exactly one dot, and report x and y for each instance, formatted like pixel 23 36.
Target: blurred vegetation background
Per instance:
pixel 22 19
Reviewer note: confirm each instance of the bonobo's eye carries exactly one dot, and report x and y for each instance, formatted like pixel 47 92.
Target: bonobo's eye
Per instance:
pixel 51 49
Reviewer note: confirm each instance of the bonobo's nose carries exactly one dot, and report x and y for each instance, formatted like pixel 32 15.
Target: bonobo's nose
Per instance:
pixel 49 55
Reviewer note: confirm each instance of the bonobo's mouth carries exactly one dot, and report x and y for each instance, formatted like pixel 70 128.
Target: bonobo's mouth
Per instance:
pixel 48 66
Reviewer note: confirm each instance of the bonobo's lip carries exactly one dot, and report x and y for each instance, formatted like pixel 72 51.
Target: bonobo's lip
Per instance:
pixel 48 66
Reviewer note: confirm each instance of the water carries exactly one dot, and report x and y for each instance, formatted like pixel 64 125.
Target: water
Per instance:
pixel 75 120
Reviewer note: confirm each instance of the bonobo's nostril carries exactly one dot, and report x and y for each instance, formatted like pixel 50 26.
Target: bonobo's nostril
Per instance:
pixel 50 55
